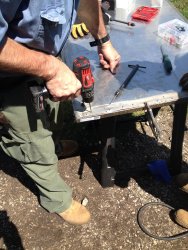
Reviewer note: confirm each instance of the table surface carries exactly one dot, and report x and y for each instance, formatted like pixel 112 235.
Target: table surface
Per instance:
pixel 137 45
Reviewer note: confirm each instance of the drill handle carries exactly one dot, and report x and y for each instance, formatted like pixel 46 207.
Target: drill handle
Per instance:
pixel 39 93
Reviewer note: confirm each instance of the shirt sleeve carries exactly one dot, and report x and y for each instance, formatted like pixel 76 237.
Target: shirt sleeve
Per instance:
pixel 8 11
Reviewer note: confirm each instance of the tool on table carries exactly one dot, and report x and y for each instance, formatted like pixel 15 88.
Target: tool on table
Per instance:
pixel 152 122
pixel 135 68
pixel 166 61
pixel 119 21
pixel 82 70
pixel 107 18
pixel 145 13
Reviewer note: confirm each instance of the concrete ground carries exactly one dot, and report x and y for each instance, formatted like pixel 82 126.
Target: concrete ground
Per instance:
pixel 25 225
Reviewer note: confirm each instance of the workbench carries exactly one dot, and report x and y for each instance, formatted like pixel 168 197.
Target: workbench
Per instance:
pixel 137 45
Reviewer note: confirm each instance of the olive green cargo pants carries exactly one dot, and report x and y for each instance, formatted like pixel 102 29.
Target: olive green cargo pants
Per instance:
pixel 30 142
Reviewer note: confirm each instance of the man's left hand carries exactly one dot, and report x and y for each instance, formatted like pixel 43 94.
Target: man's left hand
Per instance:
pixel 108 56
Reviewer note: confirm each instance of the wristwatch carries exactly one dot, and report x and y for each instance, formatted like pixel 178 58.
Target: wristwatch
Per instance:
pixel 99 42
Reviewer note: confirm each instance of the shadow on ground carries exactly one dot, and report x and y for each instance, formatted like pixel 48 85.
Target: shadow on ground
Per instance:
pixel 9 234
pixel 135 148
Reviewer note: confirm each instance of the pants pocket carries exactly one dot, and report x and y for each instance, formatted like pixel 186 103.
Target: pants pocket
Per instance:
pixel 37 148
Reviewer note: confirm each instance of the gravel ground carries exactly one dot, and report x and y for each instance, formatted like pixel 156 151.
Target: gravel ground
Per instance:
pixel 25 225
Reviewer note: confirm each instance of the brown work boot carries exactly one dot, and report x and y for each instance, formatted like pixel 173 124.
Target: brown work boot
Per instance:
pixel 66 148
pixel 77 214
pixel 182 181
pixel 181 217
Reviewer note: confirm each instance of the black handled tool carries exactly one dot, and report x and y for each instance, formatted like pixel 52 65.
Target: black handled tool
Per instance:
pixel 107 18
pixel 120 21
pixel 127 80
pixel 39 93
pixel 166 61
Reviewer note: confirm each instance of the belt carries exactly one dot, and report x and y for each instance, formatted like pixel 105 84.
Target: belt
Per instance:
pixel 12 82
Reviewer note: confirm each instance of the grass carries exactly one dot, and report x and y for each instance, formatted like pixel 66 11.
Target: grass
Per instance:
pixel 182 6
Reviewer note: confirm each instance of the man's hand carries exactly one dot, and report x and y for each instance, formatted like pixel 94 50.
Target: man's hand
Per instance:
pixel 184 82
pixel 79 30
pixel 109 57
pixel 91 14
pixel 61 82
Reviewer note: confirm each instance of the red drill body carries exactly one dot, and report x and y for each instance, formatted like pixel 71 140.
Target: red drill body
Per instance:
pixel 82 70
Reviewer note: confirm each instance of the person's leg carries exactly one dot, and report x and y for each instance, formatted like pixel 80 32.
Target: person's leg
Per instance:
pixel 181 215
pixel 55 111
pixel 182 181
pixel 30 142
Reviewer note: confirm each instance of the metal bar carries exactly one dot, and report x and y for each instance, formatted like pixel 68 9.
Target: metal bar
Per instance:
pixel 127 80
pixel 153 124
pixel 175 161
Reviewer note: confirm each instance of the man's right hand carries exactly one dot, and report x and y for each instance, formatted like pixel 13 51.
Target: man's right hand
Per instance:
pixel 61 82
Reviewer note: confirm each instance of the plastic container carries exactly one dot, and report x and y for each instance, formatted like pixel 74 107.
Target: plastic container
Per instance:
pixel 145 13
pixel 157 3
pixel 123 8
pixel 175 32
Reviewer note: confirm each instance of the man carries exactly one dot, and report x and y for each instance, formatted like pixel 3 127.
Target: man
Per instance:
pixel 181 215
pixel 32 34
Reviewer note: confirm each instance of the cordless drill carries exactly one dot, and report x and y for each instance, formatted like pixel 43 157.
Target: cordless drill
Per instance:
pixel 82 70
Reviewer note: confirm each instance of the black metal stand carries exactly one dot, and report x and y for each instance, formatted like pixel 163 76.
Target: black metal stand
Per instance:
pixel 106 129
pixel 175 160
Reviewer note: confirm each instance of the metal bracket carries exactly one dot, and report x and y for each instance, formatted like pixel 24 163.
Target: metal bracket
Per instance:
pixel 152 122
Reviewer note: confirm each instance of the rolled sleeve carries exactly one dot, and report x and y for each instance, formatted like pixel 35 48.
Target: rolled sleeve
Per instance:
pixel 8 10
pixel 3 29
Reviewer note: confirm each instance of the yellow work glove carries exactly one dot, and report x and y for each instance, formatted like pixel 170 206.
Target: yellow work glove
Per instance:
pixel 79 30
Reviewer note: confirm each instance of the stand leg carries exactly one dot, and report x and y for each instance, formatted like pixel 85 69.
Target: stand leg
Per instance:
pixel 175 160
pixel 108 156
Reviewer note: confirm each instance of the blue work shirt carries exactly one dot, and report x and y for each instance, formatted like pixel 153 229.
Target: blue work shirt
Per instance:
pixel 39 24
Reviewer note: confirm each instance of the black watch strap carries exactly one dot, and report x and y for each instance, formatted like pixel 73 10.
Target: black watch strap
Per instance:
pixel 99 42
